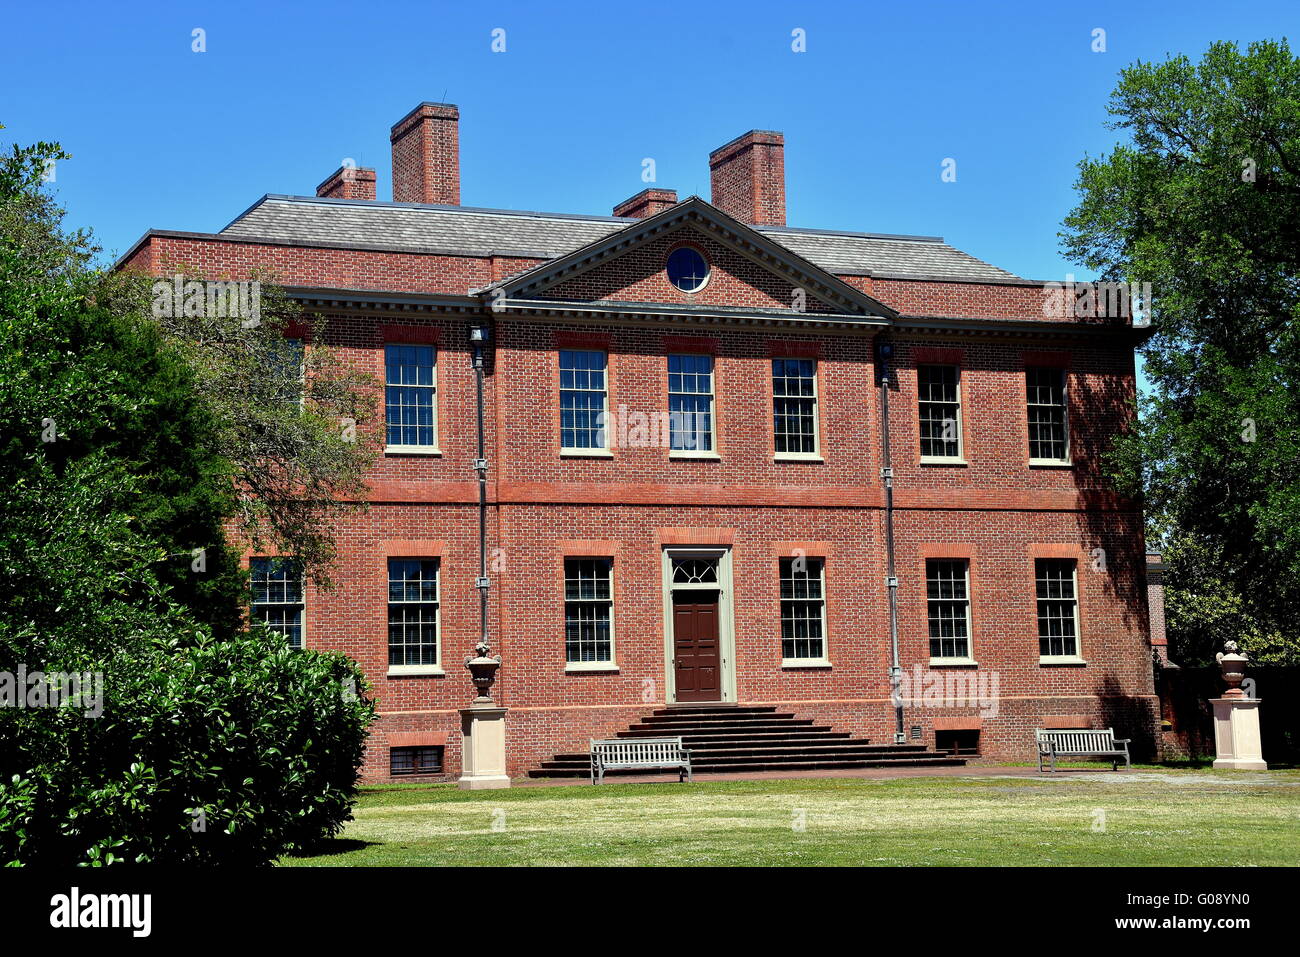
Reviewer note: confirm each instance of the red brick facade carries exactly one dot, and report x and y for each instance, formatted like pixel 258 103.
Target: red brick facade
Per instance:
pixel 996 510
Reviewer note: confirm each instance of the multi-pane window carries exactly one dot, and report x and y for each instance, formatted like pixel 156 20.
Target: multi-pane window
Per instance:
pixel 277 596
pixel 588 610
pixel 416 760
pixel 803 609
pixel 413 611
pixel 690 403
pixel 582 399
pixel 794 405
pixel 948 598
pixel 1058 608
pixel 409 396
pixel 289 371
pixel 938 390
pixel 1045 404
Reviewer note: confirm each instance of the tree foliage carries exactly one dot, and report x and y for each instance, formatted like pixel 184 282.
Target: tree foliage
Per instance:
pixel 1203 202
pixel 211 742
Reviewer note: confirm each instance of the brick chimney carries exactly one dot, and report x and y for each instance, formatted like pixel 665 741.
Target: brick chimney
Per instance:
pixel 646 203
pixel 426 155
pixel 748 178
pixel 348 182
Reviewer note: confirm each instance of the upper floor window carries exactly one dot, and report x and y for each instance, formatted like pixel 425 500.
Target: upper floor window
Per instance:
pixel 583 399
pixel 794 406
pixel 1058 608
pixel 947 590
pixel 1045 405
pixel 690 403
pixel 412 612
pixel 803 610
pixel 277 596
pixel 588 610
pixel 687 269
pixel 938 390
pixel 411 411
pixel 290 371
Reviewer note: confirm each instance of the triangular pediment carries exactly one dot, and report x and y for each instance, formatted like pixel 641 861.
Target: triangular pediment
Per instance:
pixel 747 271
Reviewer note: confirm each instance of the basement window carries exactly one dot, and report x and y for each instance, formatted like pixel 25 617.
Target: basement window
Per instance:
pixel 417 760
pixel 964 742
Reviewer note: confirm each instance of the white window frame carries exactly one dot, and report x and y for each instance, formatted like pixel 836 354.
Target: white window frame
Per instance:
pixel 301 605
pixel 960 457
pixel 969 657
pixel 435 668
pixel 1076 658
pixel 712 451
pixel 1065 415
pixel 816 454
pixel 434 448
pixel 824 661
pixel 589 666
pixel 602 451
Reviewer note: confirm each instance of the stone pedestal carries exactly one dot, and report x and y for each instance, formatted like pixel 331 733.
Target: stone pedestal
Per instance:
pixel 1236 734
pixel 483 755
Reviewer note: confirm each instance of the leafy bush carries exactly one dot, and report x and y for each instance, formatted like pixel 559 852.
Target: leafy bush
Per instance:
pixel 218 751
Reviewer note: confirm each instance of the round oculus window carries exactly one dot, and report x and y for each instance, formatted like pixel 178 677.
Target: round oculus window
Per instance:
pixel 687 269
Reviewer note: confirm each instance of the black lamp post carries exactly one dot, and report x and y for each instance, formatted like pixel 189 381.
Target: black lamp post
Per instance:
pixel 483 665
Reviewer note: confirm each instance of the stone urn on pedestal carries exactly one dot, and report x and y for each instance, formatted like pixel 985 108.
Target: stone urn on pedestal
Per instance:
pixel 483 728
pixel 1236 717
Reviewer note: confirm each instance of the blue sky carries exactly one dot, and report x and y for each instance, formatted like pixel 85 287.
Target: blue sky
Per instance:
pixel 164 137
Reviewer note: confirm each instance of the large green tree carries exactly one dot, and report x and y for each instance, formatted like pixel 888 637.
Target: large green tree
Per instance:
pixel 1202 201
pixel 194 739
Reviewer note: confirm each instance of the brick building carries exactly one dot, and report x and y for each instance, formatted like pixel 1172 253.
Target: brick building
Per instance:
pixel 688 407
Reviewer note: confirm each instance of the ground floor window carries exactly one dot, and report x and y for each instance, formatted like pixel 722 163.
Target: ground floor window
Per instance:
pixel 277 596
pixel 948 600
pixel 413 611
pixel 803 609
pixel 588 610
pixel 418 760
pixel 1058 608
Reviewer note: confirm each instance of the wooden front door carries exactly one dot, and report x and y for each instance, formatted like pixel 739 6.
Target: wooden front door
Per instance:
pixel 697 652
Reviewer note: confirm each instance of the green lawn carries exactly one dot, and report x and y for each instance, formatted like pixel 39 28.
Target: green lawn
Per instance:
pixel 1157 817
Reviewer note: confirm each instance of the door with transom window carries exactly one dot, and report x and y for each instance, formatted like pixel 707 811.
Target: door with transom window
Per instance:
pixel 696 627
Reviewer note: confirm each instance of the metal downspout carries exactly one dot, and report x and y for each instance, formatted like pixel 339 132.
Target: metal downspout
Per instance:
pixel 885 352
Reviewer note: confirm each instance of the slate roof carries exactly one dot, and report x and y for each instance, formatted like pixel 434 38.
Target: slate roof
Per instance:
pixel 461 229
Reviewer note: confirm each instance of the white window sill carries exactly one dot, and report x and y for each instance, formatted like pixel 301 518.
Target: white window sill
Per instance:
pixel 1051 463
pixel 937 460
pixel 797 457
pixel 702 456
pixel 586 454
pixel 407 671
pixel 953 663
pixel 590 667
pixel 1061 660
pixel 805 663
pixel 412 450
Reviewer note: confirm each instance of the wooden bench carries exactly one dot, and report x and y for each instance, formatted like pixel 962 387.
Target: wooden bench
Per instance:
pixel 627 754
pixel 1078 744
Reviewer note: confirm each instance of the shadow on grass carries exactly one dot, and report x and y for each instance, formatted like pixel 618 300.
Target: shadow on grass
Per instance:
pixel 333 847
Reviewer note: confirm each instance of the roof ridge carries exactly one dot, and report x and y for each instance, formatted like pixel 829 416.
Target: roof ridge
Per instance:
pixel 538 214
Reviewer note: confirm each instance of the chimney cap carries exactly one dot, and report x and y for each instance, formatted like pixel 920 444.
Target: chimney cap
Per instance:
pixel 363 173
pixel 425 110
pixel 767 137
pixel 646 203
